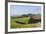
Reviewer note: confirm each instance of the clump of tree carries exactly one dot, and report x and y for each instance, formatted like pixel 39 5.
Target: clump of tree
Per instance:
pixel 13 17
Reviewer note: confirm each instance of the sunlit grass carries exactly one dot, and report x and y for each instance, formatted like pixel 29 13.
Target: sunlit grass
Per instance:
pixel 25 20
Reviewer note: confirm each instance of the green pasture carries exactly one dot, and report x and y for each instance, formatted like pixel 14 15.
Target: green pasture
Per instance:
pixel 25 20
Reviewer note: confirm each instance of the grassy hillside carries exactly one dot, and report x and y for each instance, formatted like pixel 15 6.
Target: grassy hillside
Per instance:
pixel 23 20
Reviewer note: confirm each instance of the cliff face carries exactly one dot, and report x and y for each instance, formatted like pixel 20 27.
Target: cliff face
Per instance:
pixel 36 17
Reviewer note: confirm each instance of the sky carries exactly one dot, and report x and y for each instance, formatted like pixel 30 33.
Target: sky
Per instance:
pixel 24 9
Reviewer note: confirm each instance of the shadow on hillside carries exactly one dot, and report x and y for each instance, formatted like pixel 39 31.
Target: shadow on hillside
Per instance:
pixel 20 22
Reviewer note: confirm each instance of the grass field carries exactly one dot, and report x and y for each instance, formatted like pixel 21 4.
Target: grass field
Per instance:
pixel 24 20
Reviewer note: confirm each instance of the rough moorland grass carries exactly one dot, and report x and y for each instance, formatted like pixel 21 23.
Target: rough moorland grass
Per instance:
pixel 25 20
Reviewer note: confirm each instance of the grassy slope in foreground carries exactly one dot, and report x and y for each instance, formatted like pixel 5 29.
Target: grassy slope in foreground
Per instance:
pixel 25 20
